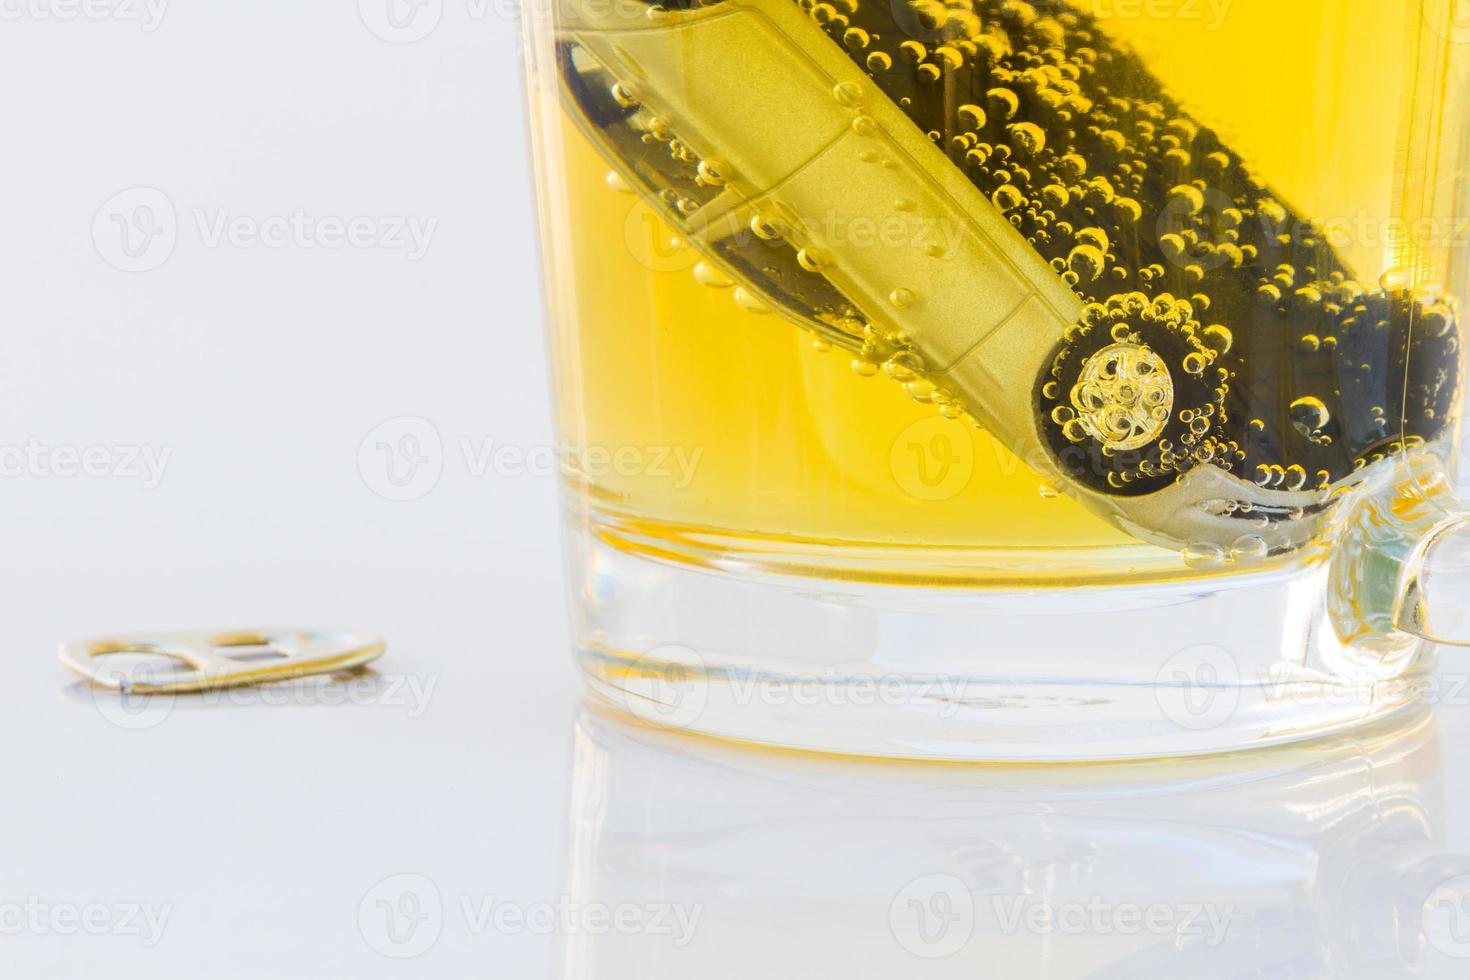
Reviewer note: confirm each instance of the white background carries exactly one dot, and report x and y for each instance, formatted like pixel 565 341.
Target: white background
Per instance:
pixel 267 828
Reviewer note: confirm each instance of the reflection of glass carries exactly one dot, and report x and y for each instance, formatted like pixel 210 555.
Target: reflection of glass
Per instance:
pixel 1294 863
pixel 867 305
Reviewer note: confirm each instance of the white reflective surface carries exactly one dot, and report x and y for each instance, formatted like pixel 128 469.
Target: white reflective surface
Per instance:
pixel 1332 861
pixel 468 819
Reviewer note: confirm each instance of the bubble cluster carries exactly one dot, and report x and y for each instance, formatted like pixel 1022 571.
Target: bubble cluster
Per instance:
pixel 1287 357
pixel 1133 394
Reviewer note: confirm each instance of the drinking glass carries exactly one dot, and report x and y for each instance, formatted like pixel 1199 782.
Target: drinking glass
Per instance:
pixel 1007 379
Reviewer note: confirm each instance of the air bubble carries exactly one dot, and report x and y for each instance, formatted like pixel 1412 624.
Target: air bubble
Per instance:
pixel 1095 237
pixel 1309 414
pixel 1438 320
pixel 1218 337
pixel 708 275
pixel 1027 137
pixel 972 117
pixel 1003 101
pixel 624 96
pixel 764 229
pixel 1203 554
pixel 949 56
pixel 712 172
pixel 1007 198
pixel 749 302
pixel 849 94
pixel 1187 197
pixel 1086 262
pixel 1248 547
pixel 1396 280
pixel 903 367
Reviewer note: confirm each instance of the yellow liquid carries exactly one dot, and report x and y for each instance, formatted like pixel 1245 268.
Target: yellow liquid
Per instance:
pixel 765 434
pixel 791 439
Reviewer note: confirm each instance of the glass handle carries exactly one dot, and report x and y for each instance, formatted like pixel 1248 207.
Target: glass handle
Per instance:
pixel 1402 565
pixel 1434 601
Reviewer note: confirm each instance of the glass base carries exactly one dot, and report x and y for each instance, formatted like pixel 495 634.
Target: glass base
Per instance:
pixel 717 645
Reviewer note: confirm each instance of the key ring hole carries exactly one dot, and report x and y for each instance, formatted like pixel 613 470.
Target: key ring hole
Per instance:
pixel 247 648
pixel 131 665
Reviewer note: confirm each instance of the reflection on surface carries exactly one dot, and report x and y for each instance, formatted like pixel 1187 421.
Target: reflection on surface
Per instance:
pixel 703 859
